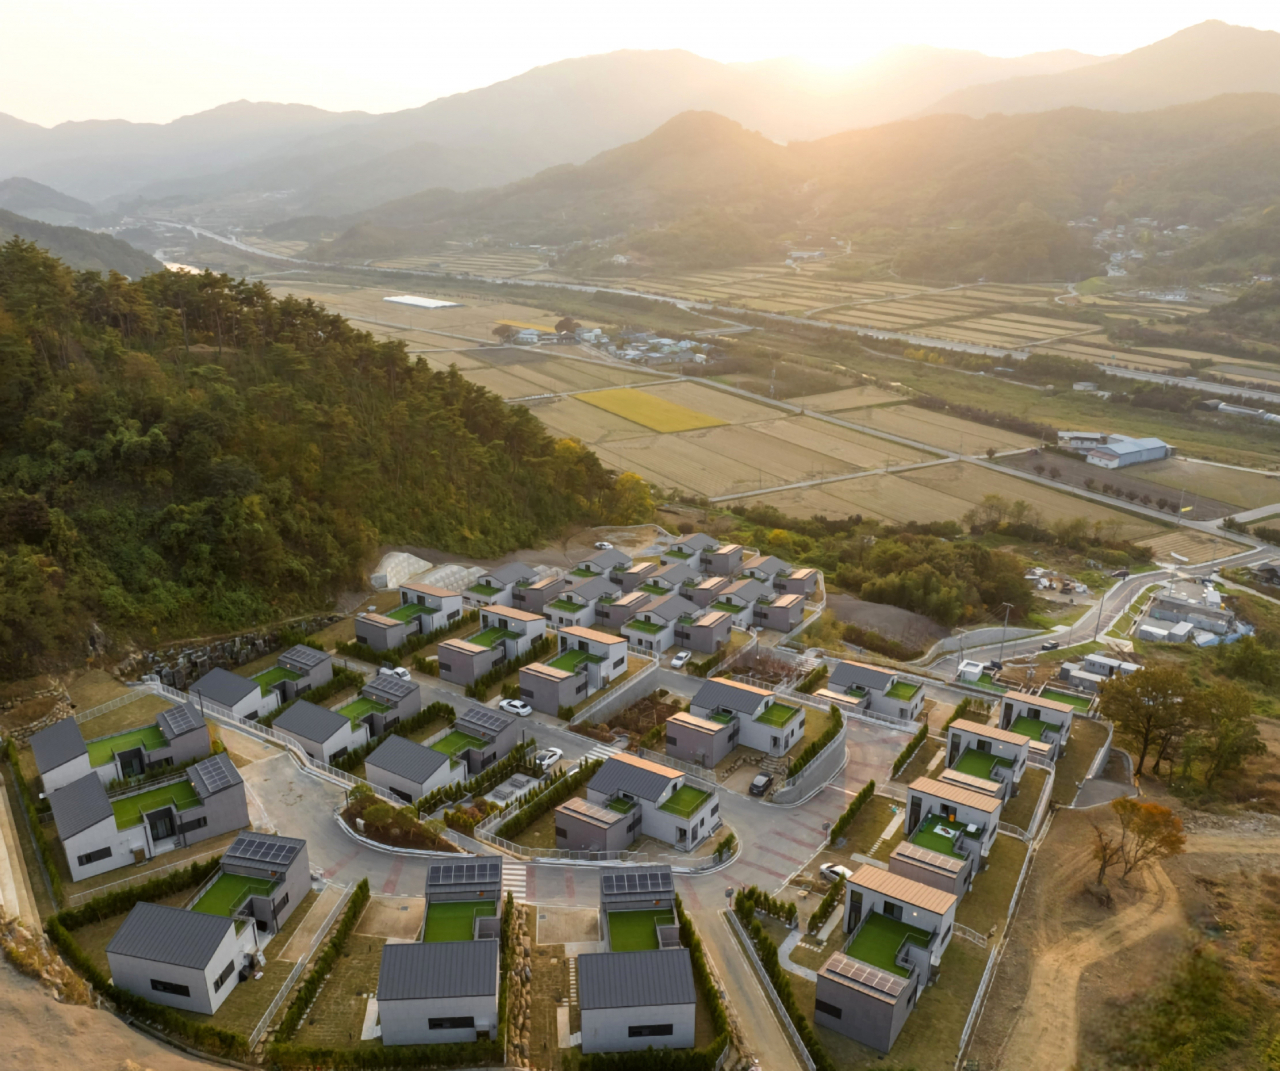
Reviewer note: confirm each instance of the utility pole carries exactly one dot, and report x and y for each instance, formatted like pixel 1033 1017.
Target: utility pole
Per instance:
pixel 1007 607
pixel 1098 624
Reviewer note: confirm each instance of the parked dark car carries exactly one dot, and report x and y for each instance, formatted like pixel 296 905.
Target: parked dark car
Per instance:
pixel 760 785
pixel 1052 645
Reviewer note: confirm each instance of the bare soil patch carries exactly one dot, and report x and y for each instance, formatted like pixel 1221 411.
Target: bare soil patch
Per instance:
pixel 892 622
pixel 393 916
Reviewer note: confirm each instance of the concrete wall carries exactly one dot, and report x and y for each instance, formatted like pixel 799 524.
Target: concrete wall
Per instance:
pixel 102 835
pixel 870 1020
pixel 407 1022
pixel 546 695
pixel 818 772
pixel 136 975
pixel 607 1030
pixel 770 739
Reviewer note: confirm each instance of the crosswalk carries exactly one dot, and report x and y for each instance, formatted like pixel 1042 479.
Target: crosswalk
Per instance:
pixel 515 879
pixel 601 751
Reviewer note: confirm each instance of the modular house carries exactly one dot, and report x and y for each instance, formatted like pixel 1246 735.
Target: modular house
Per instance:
pixel 222 692
pixel 178 736
pixel 654 627
pixel 60 754
pixel 634 575
pixel 1075 675
pixel 946 870
pixel 533 595
pixel 297 671
pixel 583 826
pixel 855 684
pixel 738 600
pixel 262 878
pixel 764 567
pixel 761 720
pixel 383 632
pixel 702 741
pixel 322 733
pixel 100 834
pixel 947 818
pixel 181 959
pixel 494 588
pixel 384 701
pixel 796 581
pixel 576 605
pixel 780 612
pixel 587 662
pixel 723 560
pixel 706 633
pixel 481 736
pixel 602 563
pixel 1045 722
pixel 505 633
pixel 986 751
pixel 674 807
pixel 437 607
pixel 410 771
pixel 689 549
pixel 898 930
pixel 444 988
pixel 707 591
pixel 615 612
pixel 670 579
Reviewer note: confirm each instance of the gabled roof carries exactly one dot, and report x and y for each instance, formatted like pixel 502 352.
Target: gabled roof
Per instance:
pixel 748 589
pixel 719 692
pixel 1040 701
pixel 170 935
pixel 224 687
pixel 57 745
pixel 896 887
pixel 701 725
pixel 423 970
pixel 581 633
pixel 963 797
pixel 214 774
pixel 698 541
pixel 626 773
pixel 79 805
pixel 765 563
pixel 591 587
pixel 607 559
pixel 670 607
pixel 635 979
pixel 179 719
pixel 402 757
pixel 302 655
pixel 847 674
pixel 511 574
pixel 311 722
pixel 388 686
pixel 676 573
pixel 990 732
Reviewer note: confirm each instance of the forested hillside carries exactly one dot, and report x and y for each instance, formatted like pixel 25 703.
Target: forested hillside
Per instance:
pixel 86 250
pixel 188 453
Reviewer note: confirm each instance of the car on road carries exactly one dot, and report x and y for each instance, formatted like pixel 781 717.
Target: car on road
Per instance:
pixel 760 785
pixel 993 666
pixel 549 757
pixel 602 545
pixel 835 872
pixel 680 659
pixel 394 671
pixel 1052 645
pixel 518 707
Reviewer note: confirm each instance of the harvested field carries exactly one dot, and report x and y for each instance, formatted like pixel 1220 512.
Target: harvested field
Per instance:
pixel 1195 547
pixel 652 411
pixel 937 429
pixel 1248 490
pixel 727 408
pixel 849 398
pixel 573 418
pixel 842 444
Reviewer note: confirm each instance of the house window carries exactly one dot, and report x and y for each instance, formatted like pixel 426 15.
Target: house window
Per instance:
pixel 221 980
pixel 452 1022
pixel 894 911
pixel 945 934
pixel 171 988
pixel 671 741
pixel 620 662
pixel 581 688
pixel 400 795
pixel 93 857
pixel 715 810
pixel 561 834
pixel 284 902
pixel 526 693
pixel 194 824
pixel 445 667
pixel 826 1009
pixel 655 1030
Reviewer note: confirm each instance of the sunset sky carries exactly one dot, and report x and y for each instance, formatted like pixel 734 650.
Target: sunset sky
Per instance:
pixel 153 61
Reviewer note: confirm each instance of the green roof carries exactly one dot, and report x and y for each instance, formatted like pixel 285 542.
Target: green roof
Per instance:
pixel 411 609
pixel 651 627
pixel 620 805
pixel 685 801
pixel 226 894
pixel 149 738
pixel 565 606
pixel 653 589
pixel 580 571
pixel 979 763
pixel 902 690
pixel 926 837
pixel 683 555
pixel 130 810
pixel 1032 727
pixel 457 741
pixel 725 607
pixel 778 714
pixel 637 931
pixel 1079 702
pixel 275 675
pixel 569 661
pixel 879 940
pixel 484 589
pixel 492 635
pixel 358 708
pixel 454 920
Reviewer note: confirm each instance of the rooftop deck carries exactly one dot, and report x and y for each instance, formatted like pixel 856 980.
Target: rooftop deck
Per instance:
pixel 226 894
pixel 565 606
pixel 902 690
pixel 149 738
pixel 411 610
pixel 652 589
pixel 487 590
pixel 778 715
pixel 454 920
pixel 651 627
pixel 685 801
pixel 493 635
pixel 880 938
pixel 980 763
pixel 637 931
pixel 621 806
pixel 569 661
pixel 457 741
pixel 274 675
pixel 130 810
pixel 927 836
pixel 1079 702
pixel 361 707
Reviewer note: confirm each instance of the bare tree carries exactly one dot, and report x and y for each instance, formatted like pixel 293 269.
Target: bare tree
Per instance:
pixel 1107 851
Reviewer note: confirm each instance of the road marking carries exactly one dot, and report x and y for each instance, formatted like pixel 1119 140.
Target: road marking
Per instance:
pixel 393 879
pixel 515 879
pixel 601 751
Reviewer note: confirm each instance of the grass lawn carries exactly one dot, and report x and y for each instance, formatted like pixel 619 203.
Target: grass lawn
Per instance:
pixel 650 627
pixel 360 707
pixel 409 611
pixel 927 836
pixel 569 661
pixel 274 676
pixel 1033 728
pixel 149 738
pixel 977 763
pixel 487 590
pixel 902 690
pixel 228 892
pixel 777 715
pixel 880 938
pixel 636 931
pixel 685 801
pixel 129 810
pixel 621 806
pixel 565 606
pixel 541 832
pixel 337 1015
pixel 454 920
pixel 457 741
pixel 985 681
pixel 919 762
pixel 1018 811
pixel 488 637
pixel 1078 703
pixel 1086 737
pixel 987 903
pixel 94 938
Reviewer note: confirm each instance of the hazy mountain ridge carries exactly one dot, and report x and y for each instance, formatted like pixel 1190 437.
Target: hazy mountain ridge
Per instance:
pixel 78 248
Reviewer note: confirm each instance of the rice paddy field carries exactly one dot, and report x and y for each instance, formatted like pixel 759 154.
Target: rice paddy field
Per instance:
pixel 1195 547
pixel 650 410
pixel 1239 487
pixel 848 398
pixel 497 265
pixel 937 429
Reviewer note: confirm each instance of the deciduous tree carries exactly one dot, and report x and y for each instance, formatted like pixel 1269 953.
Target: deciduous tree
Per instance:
pixel 1143 705
pixel 1148 831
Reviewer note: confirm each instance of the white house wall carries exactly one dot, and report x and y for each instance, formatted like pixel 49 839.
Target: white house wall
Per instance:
pixel 404 1022
pixel 606 1029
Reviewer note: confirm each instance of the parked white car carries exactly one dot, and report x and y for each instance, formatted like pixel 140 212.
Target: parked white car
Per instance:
pixel 835 872
pixel 549 757
pixel 518 707
pixel 398 671
pixel 680 659
pixel 602 545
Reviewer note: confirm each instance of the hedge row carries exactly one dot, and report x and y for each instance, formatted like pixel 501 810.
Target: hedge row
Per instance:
pixel 812 751
pixel 516 761
pixel 396 655
pixel 910 749
pixel 813 679
pixel 782 910
pixel 553 795
pixel 343 679
pixel 962 709
pixel 37 830
pixel 122 900
pixel 851 812
pixel 404 727
pixel 210 1039
pixel 479 688
pixel 781 981
pixel 704 668
pixel 834 895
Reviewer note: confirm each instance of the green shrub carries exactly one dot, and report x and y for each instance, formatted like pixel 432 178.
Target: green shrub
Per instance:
pixel 404 727
pixel 120 901
pixel 813 750
pixel 905 756
pixel 813 679
pixel 482 685
pixel 397 655
pixel 704 668
pixel 962 710
pixel 564 713
pixel 558 789
pixel 851 812
pixel 343 679
pixel 516 761
pixel 33 817
pixel 873 641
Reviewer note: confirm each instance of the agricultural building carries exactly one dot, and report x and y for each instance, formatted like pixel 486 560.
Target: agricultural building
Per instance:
pixel 1121 451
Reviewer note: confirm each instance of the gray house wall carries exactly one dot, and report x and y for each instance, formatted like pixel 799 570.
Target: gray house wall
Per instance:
pixel 405 1022
pixel 226 811
pixel 534 597
pixel 782 618
pixel 548 695
pixel 686 742
pixel 63 775
pixel 104 834
pixel 606 1029
pixel 957 883
pixel 871 1020
pixel 704 638
pixel 463 667
pixel 575 834
pixel 135 975
pixel 411 791
pixel 381 637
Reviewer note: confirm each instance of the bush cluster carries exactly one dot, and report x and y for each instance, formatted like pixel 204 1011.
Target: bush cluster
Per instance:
pixel 962 710
pixel 404 727
pixel 343 679
pixel 704 668
pixel 516 761
pixel 765 904
pixel 120 901
pixel 33 817
pixel 558 789
pixel 813 750
pixel 813 679
pixel 834 896
pixel 482 685
pixel 851 812
pixel 873 641
pixel 904 756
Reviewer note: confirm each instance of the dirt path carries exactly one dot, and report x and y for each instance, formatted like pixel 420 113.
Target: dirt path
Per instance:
pixel 306 931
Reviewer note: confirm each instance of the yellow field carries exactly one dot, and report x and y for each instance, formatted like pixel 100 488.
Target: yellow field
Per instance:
pixel 1248 490
pixel 574 419
pixel 1195 546
pixel 849 398
pixel 651 411
pixel 729 408
pixel 937 429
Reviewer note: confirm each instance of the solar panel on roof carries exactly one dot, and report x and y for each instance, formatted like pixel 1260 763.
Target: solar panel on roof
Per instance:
pixel 865 974
pixel 264 849
pixel 182 719
pixel 487 719
pixel 642 881
pixel 215 773
pixel 464 873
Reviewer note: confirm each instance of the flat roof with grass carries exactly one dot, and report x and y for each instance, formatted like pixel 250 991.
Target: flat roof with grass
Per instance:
pixel 580 571
pixel 725 607
pixel 902 690
pixel 621 806
pixel 411 610
pixel 685 801
pixel 569 661
pixel 927 836
pixel 653 589
pixel 777 715
pixel 651 627
pixel 880 938
pixel 457 741
pixel 230 890
pixel 683 555
pixel 1079 702
pixel 565 606
pixel 129 811
pixel 149 738
pixel 361 707
pixel 486 590
pixel 985 681
pixel 493 634
pixel 454 920
pixel 977 763
pixel 1034 728
pixel 637 931
pixel 274 675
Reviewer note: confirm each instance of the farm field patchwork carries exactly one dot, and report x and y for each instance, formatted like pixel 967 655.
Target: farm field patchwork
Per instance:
pixel 848 398
pixel 937 429
pixel 657 413
pixel 1195 547
pixel 732 409
pixel 1248 490
pixel 575 419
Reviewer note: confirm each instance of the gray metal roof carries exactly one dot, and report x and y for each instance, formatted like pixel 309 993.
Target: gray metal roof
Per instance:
pixel 79 805
pixel 486 721
pixel 699 541
pixel 264 849
pixel 225 687
pixel 215 773
pixel 607 559
pixel 630 882
pixel 847 674
pixel 311 722
pixel 179 719
pixel 170 935
pixel 592 587
pixel 676 573
pixel 511 574
pixel 669 607
pixel 635 979
pixel 748 589
pixel 715 694
pixel 389 685
pixel 403 758
pixel 439 969
pixel 766 564
pixel 302 655
pixel 58 744
pixel 618 776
